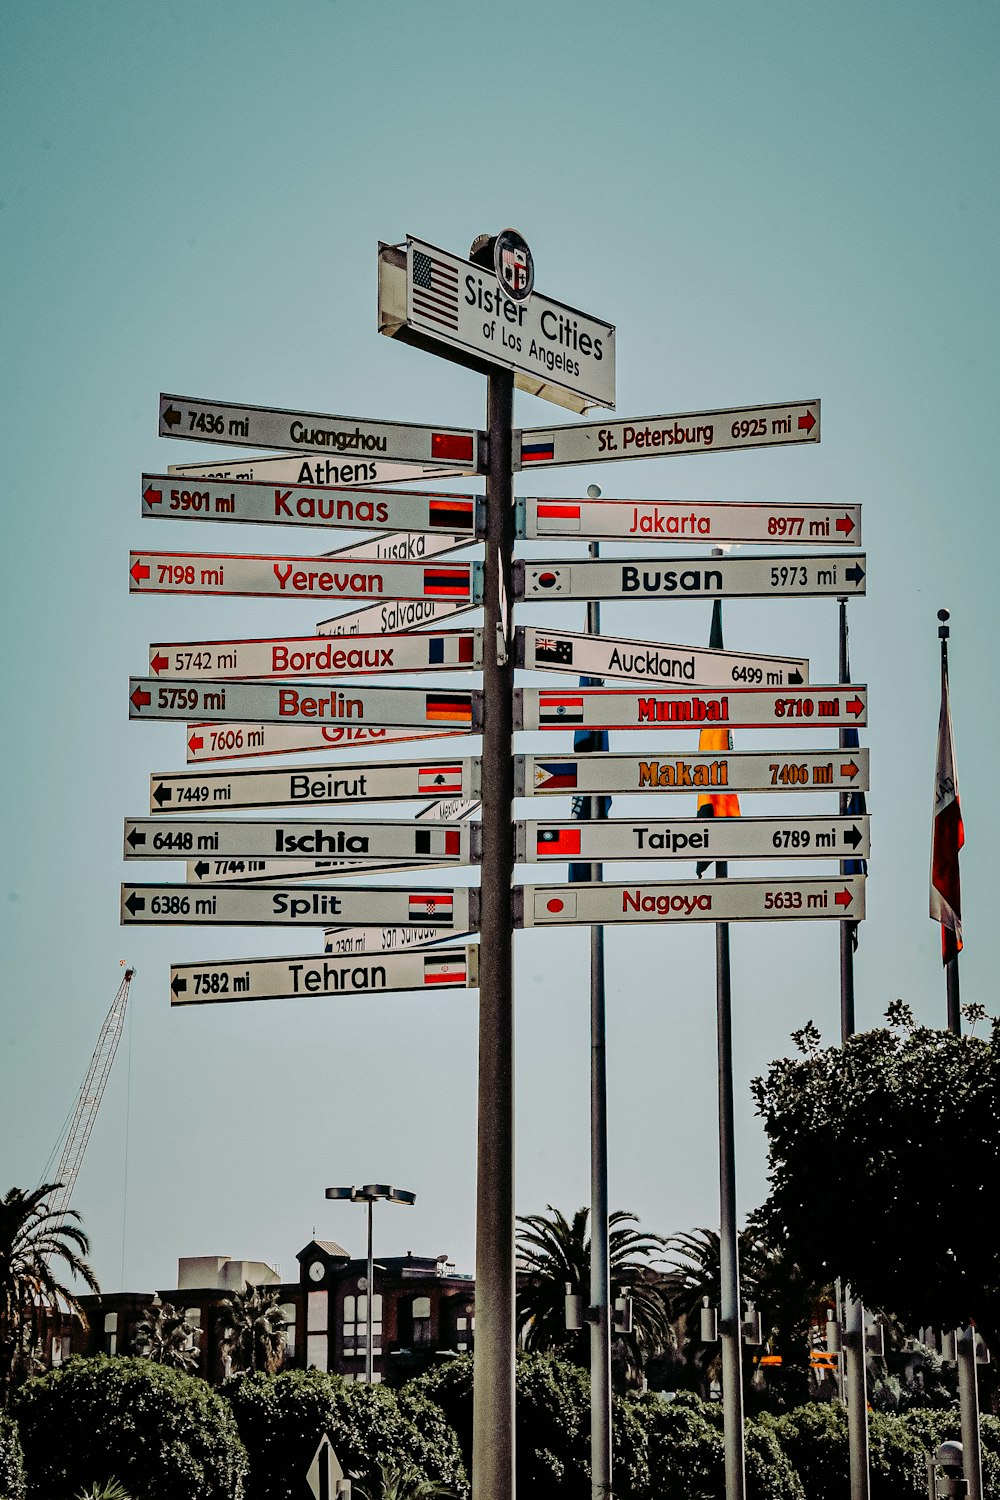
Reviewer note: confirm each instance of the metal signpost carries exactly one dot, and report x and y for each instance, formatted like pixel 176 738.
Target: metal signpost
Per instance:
pixel 317 656
pixel 401 615
pixel 713 521
pixel 681 708
pixel 693 838
pixel 236 741
pixel 652 661
pixel 258 838
pixel 299 906
pixel 285 978
pixel 291 703
pixel 299 577
pixel 320 785
pixel 306 468
pixel 346 940
pixel 806 898
pixel 802 577
pixel 692 771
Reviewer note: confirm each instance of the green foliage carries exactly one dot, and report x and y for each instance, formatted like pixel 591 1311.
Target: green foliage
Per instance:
pixel 166 1337
pixel 163 1434
pixel 891 1142
pixel 931 1428
pixel 282 1418
pixel 257 1326
pixel 687 1455
pixel 11 1460
pixel 112 1490
pixel 897 1459
pixel 397 1480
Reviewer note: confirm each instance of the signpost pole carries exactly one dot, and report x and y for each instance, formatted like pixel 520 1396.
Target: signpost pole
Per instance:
pixel 731 1318
pixel 493 1385
pixel 951 967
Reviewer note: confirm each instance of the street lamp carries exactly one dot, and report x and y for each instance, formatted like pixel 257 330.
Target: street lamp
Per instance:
pixel 371 1193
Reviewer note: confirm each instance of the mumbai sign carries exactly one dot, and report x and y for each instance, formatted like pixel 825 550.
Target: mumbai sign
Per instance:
pixel 692 578
pixel 694 838
pixel 698 771
pixel 317 656
pixel 663 436
pixel 285 978
pixel 289 704
pixel 676 708
pixel 651 662
pixel 810 898
pixel 431 298
pixel 313 786
pixel 258 838
pixel 300 906
pixel 300 577
pixel 690 521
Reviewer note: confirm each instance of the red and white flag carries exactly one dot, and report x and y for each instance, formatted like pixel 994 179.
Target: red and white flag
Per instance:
pixel 947 838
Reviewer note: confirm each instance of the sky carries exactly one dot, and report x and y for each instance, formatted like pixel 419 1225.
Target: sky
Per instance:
pixel 771 203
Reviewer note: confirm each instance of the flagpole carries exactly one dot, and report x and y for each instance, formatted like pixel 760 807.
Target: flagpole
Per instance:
pixel 951 966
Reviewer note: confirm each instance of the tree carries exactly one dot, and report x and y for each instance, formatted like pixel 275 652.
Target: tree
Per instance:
pixel 255 1336
pixel 166 1337
pixel 35 1246
pixel 884 1158
pixel 553 1251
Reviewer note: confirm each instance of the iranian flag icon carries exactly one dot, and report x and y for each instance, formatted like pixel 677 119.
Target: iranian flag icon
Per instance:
pixel 449 968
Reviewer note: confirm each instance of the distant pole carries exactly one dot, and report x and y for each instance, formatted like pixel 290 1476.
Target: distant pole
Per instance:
pixel 951 967
pixel 848 930
pixel 968 1400
pixel 369 1299
pixel 730 1311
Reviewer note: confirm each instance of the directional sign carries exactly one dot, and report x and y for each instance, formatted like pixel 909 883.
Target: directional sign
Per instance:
pixel 387 619
pixel 345 940
pixel 433 842
pixel 300 906
pixel 401 546
pixel 207 742
pixel 841 897
pixel 300 468
pixel 431 298
pixel 694 838
pixel 690 521
pixel 307 505
pixel 696 771
pixel 317 656
pixel 274 703
pixel 678 708
pixel 200 421
pixel 692 578
pixel 324 1473
pixel 283 978
pixel 300 577
pixel 650 661
pixel 661 436
pixel 313 786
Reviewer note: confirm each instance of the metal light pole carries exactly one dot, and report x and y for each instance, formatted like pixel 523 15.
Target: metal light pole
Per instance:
pixel 371 1193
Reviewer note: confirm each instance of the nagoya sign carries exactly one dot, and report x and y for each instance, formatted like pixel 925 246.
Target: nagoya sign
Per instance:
pixel 317 656
pixel 698 771
pixel 314 432
pixel 676 708
pixel 810 898
pixel 429 297
pixel 283 978
pixel 648 661
pixel 300 906
pixel 701 838
pixel 690 521
pixel 663 436
pixel 235 741
pixel 275 704
pixel 312 786
pixel 436 843
pixel 692 578
pixel 300 577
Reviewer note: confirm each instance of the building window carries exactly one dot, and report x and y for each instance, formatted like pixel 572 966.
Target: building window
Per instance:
pixel 316 1351
pixel 316 1315
pixel 421 1322
pixel 111 1333
pixel 288 1313
pixel 356 1325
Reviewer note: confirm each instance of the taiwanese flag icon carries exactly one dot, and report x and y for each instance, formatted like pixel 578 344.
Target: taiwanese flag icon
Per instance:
pixel 556 843
pixel 552 648
pixel 452 583
pixel 446 780
pixel 556 515
pixel 560 708
pixel 435 907
pixel 449 968
pixel 449 708
pixel 451 650
pixel 451 514
pixel 537 450
pixel 556 775
pixel 548 578
pixel 435 841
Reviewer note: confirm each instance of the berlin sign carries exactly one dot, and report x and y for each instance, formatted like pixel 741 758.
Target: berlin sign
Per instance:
pixel 808 897
pixel 313 786
pixel 300 906
pixel 275 703
pixel 694 838
pixel 690 521
pixel 283 978
pixel 301 468
pixel 695 771
pixel 692 578
pixel 431 298
pixel 307 505
pixel 258 838
pixel 300 577
pixel 649 661
pixel 678 708
pixel 663 436
pixel 199 421
pixel 317 656
pixel 240 740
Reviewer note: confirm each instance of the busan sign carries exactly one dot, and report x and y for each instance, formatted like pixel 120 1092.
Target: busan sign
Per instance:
pixel 802 577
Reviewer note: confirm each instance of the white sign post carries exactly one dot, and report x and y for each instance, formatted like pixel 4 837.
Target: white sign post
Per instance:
pixel 300 906
pixel 708 839
pixel 320 785
pixel 295 577
pixel 695 771
pixel 693 578
pixel 808 898
pixel 316 656
pixel 308 468
pixel 415 842
pixel 652 662
pixel 715 521
pixel 286 978
pixel 240 740
pixel 277 703
pixel 681 708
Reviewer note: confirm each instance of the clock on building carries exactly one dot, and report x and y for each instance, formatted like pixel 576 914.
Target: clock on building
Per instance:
pixel 317 1270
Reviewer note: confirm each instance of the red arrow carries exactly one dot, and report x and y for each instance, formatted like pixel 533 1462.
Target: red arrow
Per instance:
pixel 855 706
pixel 159 662
pixel 140 698
pixel 195 742
pixel 845 524
pixel 850 770
pixel 139 571
pixel 843 898
pixel 808 421
pixel 154 497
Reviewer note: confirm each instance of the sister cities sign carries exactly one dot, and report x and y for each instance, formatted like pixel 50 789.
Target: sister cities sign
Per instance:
pixel 809 898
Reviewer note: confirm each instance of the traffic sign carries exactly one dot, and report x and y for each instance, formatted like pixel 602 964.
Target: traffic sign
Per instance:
pixel 346 940
pixel 199 421
pixel 432 298
pixel 398 616
pixel 841 897
pixel 300 906
pixel 693 838
pixel 696 771
pixel 650 661
pixel 284 978
pixel 313 786
pixel 308 505
pixel 278 703
pixel 303 468
pixel 401 546
pixel 300 577
pixel 208 742
pixel 317 656
pixel 416 842
pixel 324 1473
pixel 678 708
pixel 692 578
pixel 690 521
pixel 663 436
pixel 213 871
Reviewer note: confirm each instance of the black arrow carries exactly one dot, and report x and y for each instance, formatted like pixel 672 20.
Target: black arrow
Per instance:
pixel 178 985
pixel 135 903
pixel 795 679
pixel 163 794
pixel 135 838
pixel 171 416
pixel 853 837
pixel 201 869
pixel 855 574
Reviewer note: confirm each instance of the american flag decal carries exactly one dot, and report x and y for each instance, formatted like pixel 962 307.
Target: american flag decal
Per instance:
pixel 435 290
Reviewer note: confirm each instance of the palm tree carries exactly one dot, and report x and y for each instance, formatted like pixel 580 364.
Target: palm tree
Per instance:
pixel 255 1337
pixel 554 1252
pixel 166 1337
pixel 403 1481
pixel 33 1240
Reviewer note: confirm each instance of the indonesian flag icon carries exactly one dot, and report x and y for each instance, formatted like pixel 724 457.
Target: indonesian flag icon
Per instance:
pixel 435 907
pixel 557 515
pixel 947 838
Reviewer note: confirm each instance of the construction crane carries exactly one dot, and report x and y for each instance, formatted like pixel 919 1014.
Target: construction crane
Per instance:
pixel 89 1100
